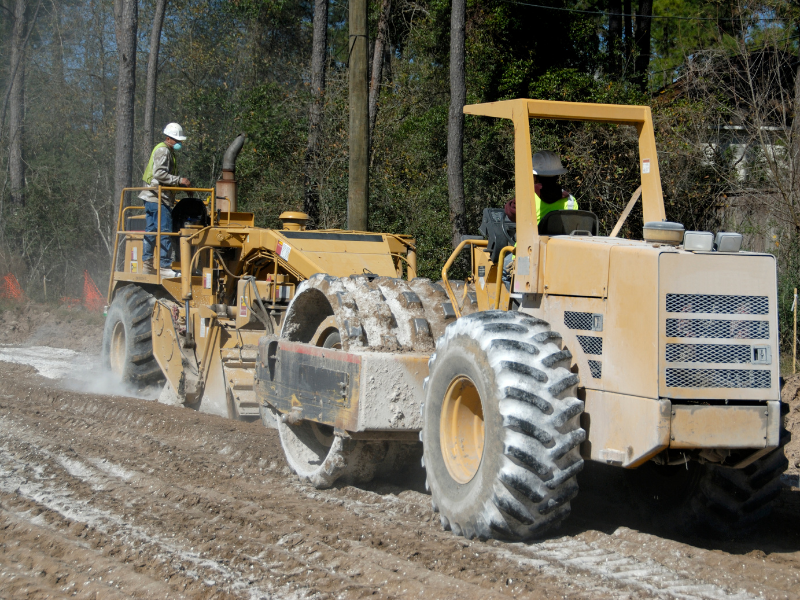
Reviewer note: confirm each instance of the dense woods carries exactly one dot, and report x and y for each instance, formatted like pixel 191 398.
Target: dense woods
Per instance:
pixel 721 77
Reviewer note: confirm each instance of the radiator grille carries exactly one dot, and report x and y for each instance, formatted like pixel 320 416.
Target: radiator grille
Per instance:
pixel 717 304
pixel 718 328
pixel 596 369
pixel 590 344
pixel 578 320
pixel 718 378
pixel 708 353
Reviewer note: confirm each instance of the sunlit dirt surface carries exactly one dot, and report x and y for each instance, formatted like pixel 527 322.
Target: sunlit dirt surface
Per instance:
pixel 106 496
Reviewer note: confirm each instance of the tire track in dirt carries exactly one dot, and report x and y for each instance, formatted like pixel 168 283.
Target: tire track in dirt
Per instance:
pixel 168 502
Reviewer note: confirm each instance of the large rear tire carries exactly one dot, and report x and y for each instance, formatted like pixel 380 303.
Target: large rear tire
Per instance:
pixel 127 349
pixel 713 500
pixel 731 502
pixel 501 427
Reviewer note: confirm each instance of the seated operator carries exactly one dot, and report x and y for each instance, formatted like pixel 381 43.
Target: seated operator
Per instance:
pixel 550 196
pixel 548 193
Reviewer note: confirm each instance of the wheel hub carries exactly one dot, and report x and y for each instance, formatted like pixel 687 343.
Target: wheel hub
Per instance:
pixel 461 429
pixel 117 351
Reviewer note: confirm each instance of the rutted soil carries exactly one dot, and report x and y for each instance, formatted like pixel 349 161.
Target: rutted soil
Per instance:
pixel 105 496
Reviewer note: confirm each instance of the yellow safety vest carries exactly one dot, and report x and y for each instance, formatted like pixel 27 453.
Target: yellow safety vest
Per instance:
pixel 542 208
pixel 148 172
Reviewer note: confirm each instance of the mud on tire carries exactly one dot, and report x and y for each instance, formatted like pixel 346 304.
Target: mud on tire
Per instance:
pixel 127 337
pixel 526 475
pixel 357 313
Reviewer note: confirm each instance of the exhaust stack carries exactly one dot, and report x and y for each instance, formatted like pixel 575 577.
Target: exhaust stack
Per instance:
pixel 226 186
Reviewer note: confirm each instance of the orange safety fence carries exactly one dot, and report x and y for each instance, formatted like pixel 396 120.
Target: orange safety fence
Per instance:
pixel 10 290
pixel 92 298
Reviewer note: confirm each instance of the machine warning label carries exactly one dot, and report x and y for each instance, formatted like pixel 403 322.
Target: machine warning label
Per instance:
pixel 134 266
pixel 134 253
pixel 645 166
pixel 242 307
pixel 283 250
pixel 207 281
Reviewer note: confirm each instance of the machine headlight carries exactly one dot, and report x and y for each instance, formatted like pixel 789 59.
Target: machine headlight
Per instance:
pixel 728 242
pixel 698 241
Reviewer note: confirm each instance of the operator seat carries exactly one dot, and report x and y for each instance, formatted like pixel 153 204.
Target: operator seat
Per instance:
pixel 189 211
pixel 567 222
pixel 499 230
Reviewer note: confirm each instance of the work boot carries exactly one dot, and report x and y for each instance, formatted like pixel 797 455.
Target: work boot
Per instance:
pixel 147 267
pixel 169 273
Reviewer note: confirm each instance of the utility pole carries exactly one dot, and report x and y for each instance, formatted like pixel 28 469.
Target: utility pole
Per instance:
pixel 358 185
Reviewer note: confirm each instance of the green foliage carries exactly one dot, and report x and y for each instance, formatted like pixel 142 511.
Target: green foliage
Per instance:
pixel 243 66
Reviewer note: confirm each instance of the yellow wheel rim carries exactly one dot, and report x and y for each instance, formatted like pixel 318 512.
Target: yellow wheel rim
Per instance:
pixel 117 352
pixel 461 429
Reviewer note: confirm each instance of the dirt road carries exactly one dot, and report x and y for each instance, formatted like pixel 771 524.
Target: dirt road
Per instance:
pixel 106 496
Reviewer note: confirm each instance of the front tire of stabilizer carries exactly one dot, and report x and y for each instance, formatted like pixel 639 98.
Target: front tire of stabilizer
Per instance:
pixel 502 461
pixel 312 458
pixel 127 349
pixel 314 453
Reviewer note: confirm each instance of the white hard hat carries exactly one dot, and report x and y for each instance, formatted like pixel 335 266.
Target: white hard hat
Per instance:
pixel 547 164
pixel 174 131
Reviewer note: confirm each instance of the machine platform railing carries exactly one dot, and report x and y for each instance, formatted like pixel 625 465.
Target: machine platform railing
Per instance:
pixel 122 230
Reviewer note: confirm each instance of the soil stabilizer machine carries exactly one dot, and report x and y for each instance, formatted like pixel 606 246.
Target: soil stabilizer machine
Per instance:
pixel 659 356
pixel 200 331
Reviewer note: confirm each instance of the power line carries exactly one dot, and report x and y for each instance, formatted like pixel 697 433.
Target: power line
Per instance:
pixel 601 13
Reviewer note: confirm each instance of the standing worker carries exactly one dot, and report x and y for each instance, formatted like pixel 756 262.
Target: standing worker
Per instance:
pixel 162 170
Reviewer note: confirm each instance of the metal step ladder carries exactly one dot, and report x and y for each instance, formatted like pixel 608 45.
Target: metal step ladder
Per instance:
pixel 239 367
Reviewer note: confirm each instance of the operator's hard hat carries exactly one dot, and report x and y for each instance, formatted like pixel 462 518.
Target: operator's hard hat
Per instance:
pixel 174 131
pixel 547 164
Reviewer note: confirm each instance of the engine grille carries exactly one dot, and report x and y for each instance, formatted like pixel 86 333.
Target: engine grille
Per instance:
pixel 717 304
pixel 739 354
pixel 718 328
pixel 591 344
pixel 578 320
pixel 596 369
pixel 718 378
pixel 708 353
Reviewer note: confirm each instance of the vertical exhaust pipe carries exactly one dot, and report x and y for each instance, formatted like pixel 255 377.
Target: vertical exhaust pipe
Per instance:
pixel 226 186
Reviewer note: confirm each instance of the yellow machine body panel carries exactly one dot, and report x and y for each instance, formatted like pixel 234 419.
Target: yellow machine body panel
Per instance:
pixel 651 327
pixel 657 321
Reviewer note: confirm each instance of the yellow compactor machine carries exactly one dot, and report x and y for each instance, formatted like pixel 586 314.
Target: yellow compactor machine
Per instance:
pixel 659 356
pixel 200 331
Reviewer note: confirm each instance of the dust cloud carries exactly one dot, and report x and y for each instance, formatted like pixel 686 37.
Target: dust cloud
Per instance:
pixel 74 370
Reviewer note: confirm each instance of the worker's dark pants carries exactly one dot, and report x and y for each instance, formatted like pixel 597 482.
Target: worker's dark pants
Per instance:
pixel 151 215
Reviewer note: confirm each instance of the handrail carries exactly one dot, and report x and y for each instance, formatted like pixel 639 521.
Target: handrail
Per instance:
pixel 499 282
pixel 131 231
pixel 120 230
pixel 449 263
pixel 132 207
